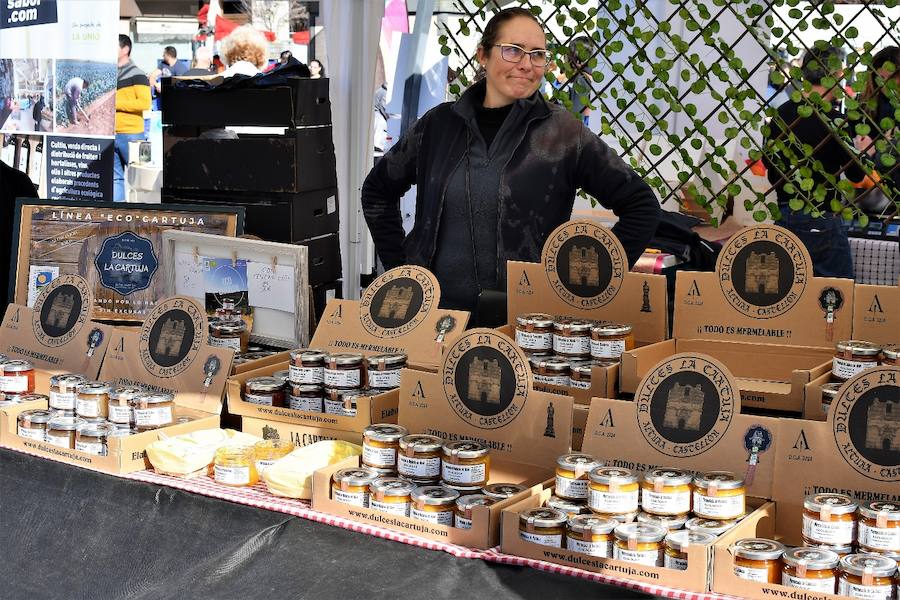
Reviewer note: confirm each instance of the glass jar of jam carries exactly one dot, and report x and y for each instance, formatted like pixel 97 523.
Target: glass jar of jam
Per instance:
pixel 572 475
pixel 867 576
pixel 829 519
pixel 829 393
pixel 229 333
pixel 852 357
pixel 464 506
pixel 91 438
pixel 306 396
pixel 610 340
pixel 16 377
pixel 32 424
pixel 666 491
pixel 890 355
pixel 677 543
pixel 121 403
pixel 613 491
pixel 670 522
pixel 419 459
pixel 640 543
pixel 351 486
pixel 434 504
pixel 267 452
pixel 391 495
pixel 534 333
pixel 284 375
pixel 342 402
pixel 92 399
pixel 502 491
pixel 307 367
pixel 344 371
pixel 154 410
pixel 709 526
pixel 581 372
pixel 570 507
pixel 235 466
pixel 758 559
pixel 380 445
pixel 466 463
pixel 879 527
pixel 810 569
pixel 550 370
pixel 572 337
pixel 544 526
pixel 383 371
pixel 591 534
pixel 63 390
pixel 719 495
pixel 264 391
pixel 61 431
pixel 625 517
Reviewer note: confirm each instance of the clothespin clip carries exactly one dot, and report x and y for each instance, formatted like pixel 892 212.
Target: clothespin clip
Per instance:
pixel 196 255
pixel 234 258
pixel 274 263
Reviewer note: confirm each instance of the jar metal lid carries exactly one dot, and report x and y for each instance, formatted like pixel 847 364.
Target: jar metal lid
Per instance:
pixel 97 430
pixel 592 524
pixel 570 507
pixel 681 540
pixel 573 325
pixel 155 398
pixel 16 366
pixel 758 549
pixel 465 449
pixel 723 480
pixel 877 509
pixel 283 375
pixel 859 347
pixel 345 359
pixel 307 388
pixel 122 431
pixel 466 503
pixel 583 368
pixel 670 522
pixel 35 416
pixel 624 517
pixel 386 361
pixel 264 384
pixel 464 490
pixel 435 495
pixel 613 475
pixel 94 388
pixel 228 326
pixel 64 423
pixel 359 477
pixel 385 432
pixel 391 486
pixel 641 532
pixel 309 355
pixel 830 391
pixel 126 392
pixel 420 442
pixel 551 363
pixel 502 491
pixel 611 329
pixel 868 564
pixel 708 525
pixel 543 517
pixel 836 504
pixel 67 380
pixel 578 462
pixel 814 559
pixel 31 397
pixel 668 477
pixel 539 320
pixel 839 550
pixel 892 351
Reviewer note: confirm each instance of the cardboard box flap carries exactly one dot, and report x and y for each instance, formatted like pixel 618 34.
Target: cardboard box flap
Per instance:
pixel 763 291
pixel 483 392
pixel 170 353
pixel 398 312
pixel 876 313
pixel 855 451
pixel 584 273
pixel 686 414
pixel 57 335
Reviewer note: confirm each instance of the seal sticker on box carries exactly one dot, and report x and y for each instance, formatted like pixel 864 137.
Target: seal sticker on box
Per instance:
pixel 61 311
pixel 685 405
pixel 585 264
pixel 172 337
pixel 398 301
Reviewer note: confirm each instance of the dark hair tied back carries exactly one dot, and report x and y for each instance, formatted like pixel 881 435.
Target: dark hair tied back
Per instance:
pixel 492 29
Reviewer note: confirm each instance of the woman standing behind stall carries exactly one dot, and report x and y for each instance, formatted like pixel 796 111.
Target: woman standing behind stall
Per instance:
pixel 496 173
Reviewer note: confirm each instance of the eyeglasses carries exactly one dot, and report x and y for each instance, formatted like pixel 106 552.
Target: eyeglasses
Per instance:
pixel 515 54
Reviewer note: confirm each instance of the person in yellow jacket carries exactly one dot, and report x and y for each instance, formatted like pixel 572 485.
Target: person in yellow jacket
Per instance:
pixel 132 99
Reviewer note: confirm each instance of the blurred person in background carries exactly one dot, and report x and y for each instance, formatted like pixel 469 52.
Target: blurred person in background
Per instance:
pixel 244 51
pixel 316 69
pixel 132 99
pixel 202 63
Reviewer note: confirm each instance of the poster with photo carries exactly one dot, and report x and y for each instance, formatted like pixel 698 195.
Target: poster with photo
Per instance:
pixel 57 94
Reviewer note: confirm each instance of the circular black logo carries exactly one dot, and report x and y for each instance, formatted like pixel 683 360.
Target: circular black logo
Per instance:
pixel 866 423
pixel 585 263
pixel 486 385
pixel 584 266
pixel 61 311
pixel 398 301
pixel 762 273
pixel 394 304
pixel 172 336
pixel 685 404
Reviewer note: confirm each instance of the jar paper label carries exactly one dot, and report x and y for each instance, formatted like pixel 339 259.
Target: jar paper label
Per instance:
pixel 381 458
pixel 336 407
pixel 833 533
pixel 351 498
pixel 261 399
pixel 119 414
pixel 419 467
pixel 845 369
pixel 152 417
pixel 232 475
pixel 673 562
pixel 342 379
pixel 234 343
pixel 562 380
pixel 60 441
pixel 307 404
pixel 311 375
pixel 32 434
pixel 613 503
pixel 580 384
pixel 387 379
pixel 62 400
pixel 463 474
pixel 865 592
pixel 575 489
pixel 529 340
pixel 87 408
pixel 607 348
pixel 751 574
pixel 666 503
pixel 91 447
pixel 650 558
pixel 813 585
pixel 394 508
pixel 14 384
pixel 572 345
pixel 463 523
pixel 879 539
pixel 719 507
pixel 262 465
pixel 444 517
pixel 554 540
pixel 600 549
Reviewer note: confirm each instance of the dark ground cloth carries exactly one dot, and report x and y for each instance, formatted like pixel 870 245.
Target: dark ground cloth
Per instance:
pixel 71 533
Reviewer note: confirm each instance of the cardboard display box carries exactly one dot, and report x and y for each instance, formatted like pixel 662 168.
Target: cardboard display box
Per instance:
pixel 527 430
pixel 876 314
pixel 762 313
